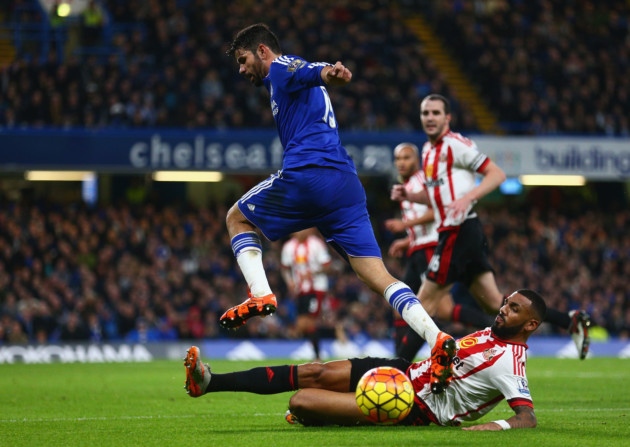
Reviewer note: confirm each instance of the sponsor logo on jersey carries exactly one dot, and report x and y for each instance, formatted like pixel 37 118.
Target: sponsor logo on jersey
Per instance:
pixel 295 65
pixel 468 342
pixel 434 183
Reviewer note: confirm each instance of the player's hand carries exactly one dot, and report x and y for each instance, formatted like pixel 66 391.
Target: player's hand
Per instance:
pixel 398 248
pixel 395 225
pixel 338 74
pixel 458 210
pixel 398 193
pixel 488 426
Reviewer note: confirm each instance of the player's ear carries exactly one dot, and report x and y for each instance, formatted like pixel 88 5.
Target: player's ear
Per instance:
pixel 262 51
pixel 532 325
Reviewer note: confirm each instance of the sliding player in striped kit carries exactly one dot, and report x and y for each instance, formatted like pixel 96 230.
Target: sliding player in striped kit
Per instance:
pixel 489 368
pixel 318 186
pixel 450 162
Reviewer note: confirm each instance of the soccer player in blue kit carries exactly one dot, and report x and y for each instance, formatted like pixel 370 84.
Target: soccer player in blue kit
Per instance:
pixel 318 186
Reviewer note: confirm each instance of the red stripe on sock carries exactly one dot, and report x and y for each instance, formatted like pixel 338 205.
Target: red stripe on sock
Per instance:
pixel 291 377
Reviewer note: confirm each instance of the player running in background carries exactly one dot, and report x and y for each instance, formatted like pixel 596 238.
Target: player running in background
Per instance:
pixel 305 263
pixel 417 219
pixel 450 162
pixel 318 186
pixel 490 368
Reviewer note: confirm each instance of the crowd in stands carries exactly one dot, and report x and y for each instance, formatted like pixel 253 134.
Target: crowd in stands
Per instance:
pixel 146 273
pixel 545 67
pixel 164 65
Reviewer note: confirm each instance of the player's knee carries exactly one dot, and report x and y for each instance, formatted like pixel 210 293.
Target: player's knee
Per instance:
pixel 233 215
pixel 298 403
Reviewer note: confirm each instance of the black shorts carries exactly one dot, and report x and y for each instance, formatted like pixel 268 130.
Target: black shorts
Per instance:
pixel 461 254
pixel 362 365
pixel 417 264
pixel 310 303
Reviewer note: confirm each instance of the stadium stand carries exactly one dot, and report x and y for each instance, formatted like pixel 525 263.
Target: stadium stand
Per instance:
pixel 163 64
pixel 545 67
pixel 149 271
pixel 108 273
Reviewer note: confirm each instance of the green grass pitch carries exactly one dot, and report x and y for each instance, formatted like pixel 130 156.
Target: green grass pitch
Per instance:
pixel 144 404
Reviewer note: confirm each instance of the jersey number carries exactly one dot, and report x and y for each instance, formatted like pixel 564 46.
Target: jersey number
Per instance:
pixel 329 115
pixel 434 264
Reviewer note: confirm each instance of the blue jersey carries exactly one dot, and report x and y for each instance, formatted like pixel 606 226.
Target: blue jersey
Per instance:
pixel 304 115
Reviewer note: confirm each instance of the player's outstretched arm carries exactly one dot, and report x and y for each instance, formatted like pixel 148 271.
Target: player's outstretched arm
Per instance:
pixel 336 74
pixel 399 193
pixel 524 418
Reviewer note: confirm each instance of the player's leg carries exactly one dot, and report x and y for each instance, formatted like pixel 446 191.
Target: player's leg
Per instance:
pixel 431 293
pixel 260 209
pixel 312 406
pixel 306 326
pixel 443 348
pixel 406 341
pixel 337 375
pixel 373 273
pixel 322 407
pixel 247 248
pixel 349 229
pixel 486 292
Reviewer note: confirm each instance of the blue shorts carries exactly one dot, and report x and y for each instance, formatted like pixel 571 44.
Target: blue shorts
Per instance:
pixel 331 200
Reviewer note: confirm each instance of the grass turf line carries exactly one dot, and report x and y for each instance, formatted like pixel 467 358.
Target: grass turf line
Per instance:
pixel 583 403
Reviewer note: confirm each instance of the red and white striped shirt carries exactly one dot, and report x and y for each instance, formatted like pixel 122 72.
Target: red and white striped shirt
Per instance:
pixel 486 370
pixel 449 168
pixel 306 260
pixel 423 235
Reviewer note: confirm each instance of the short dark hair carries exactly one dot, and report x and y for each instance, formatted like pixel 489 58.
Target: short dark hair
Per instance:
pixel 248 39
pixel 437 97
pixel 538 302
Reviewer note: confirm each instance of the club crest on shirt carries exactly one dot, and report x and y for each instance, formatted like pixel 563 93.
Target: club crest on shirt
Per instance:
pixel 489 354
pixel 295 64
pixel 522 386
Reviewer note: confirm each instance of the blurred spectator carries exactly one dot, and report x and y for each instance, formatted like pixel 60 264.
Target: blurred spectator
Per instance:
pixel 167 65
pixel 73 329
pixel 173 269
pixel 92 24
pixel 546 67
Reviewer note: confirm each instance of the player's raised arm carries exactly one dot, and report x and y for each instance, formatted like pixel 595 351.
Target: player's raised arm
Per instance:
pixel 337 74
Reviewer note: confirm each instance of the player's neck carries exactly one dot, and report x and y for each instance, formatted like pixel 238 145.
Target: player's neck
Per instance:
pixel 435 140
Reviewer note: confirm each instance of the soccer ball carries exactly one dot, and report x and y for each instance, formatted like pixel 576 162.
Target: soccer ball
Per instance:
pixel 385 395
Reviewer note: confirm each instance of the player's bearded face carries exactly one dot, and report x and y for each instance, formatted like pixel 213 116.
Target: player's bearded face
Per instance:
pixel 503 331
pixel 250 66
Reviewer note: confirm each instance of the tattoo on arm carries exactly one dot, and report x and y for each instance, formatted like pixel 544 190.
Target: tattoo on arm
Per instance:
pixel 524 417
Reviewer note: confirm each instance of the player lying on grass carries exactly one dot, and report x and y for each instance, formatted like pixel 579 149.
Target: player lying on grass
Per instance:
pixel 489 367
